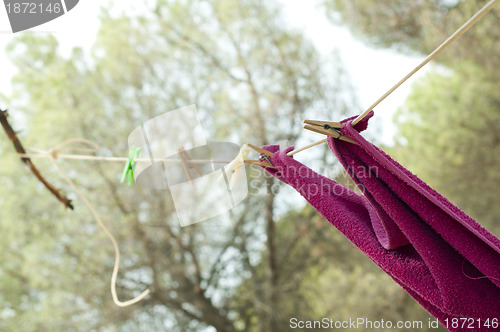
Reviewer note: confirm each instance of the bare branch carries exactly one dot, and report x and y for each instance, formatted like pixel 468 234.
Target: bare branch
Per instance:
pixel 19 148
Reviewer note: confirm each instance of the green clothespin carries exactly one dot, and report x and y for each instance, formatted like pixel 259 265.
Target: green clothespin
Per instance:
pixel 128 170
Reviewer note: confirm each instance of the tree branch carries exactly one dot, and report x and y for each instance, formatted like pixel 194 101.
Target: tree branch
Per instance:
pixel 19 148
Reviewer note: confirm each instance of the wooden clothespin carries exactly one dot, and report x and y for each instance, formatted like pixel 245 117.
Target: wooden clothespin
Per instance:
pixel 128 170
pixel 327 128
pixel 188 166
pixel 264 159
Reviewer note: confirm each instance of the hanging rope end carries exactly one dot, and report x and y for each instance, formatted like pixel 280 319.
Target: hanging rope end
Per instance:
pixel 129 302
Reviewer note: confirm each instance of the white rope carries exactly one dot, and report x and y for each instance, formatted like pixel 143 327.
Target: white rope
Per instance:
pixel 466 26
pixel 41 154
pixel 52 155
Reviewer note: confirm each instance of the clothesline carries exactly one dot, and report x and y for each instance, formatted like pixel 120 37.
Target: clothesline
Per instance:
pixel 47 154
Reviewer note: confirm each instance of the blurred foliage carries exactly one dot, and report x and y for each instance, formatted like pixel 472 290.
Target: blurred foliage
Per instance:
pixel 252 78
pixel 421 26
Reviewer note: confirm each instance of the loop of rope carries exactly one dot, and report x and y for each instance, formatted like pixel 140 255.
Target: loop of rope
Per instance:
pixel 52 155
pixel 66 145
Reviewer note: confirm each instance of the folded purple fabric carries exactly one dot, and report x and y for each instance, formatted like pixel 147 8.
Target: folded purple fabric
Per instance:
pixel 438 254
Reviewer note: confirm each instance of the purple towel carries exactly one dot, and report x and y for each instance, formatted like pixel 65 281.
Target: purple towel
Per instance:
pixel 438 254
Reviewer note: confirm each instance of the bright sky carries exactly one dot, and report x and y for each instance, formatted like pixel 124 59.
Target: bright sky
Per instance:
pixel 372 71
